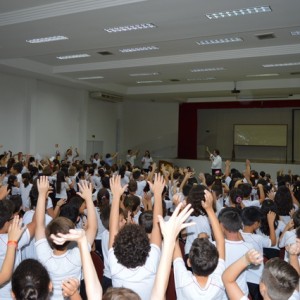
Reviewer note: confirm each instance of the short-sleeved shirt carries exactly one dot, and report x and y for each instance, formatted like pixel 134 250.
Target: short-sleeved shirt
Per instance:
pixel 187 286
pixel 60 267
pixel 139 279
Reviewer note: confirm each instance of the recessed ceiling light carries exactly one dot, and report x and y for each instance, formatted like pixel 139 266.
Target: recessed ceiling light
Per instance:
pixel 207 70
pixel 239 12
pixel 130 27
pixel 138 49
pixel 262 75
pixel 90 78
pixel 73 56
pixel 144 74
pixel 282 65
pixel 219 41
pixel 47 39
pixel 201 79
pixel 149 81
pixel 297 32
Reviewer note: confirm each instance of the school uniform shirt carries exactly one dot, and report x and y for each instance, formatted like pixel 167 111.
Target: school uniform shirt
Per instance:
pixel 124 180
pixel 248 202
pixel 5 289
pixel 202 225
pixel 28 251
pixel 140 187
pixel 234 250
pixel 25 195
pixel 278 230
pixel 131 158
pixel 259 242
pixel 104 246
pixel 63 191
pixel 187 286
pixel 139 279
pixel 288 238
pixel 146 162
pixel 216 161
pixel 60 267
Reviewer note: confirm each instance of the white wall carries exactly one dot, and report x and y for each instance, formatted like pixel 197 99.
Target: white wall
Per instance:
pixel 150 126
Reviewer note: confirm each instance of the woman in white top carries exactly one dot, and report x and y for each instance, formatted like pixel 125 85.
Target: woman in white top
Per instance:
pixel 96 159
pixel 147 161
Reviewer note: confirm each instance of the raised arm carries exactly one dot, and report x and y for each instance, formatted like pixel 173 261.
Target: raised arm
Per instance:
pixel 170 231
pixel 15 231
pixel 271 219
pixel 85 192
pixel 117 191
pixel 216 228
pixel 43 188
pixel 227 168
pixel 157 188
pixel 92 284
pixel 233 271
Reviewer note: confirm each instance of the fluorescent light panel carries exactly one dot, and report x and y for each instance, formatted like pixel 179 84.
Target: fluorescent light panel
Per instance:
pixel 138 49
pixel 207 70
pixel 144 74
pixel 91 78
pixel 239 12
pixel 294 33
pixel 73 56
pixel 263 75
pixel 130 27
pixel 281 65
pixel 47 39
pixel 201 79
pixel 149 81
pixel 220 41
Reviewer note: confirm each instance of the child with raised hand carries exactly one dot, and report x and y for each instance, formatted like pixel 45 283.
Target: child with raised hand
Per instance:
pixel 92 284
pixel 14 233
pixel 234 270
pixel 62 263
pixel 206 261
pixel 170 231
pixel 133 259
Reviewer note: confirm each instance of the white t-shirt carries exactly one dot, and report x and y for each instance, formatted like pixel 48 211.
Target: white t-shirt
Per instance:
pixel 25 195
pixel 288 238
pixel 139 279
pixel 259 242
pixel 188 288
pixel 131 158
pixel 28 251
pixel 63 191
pixel 24 240
pixel 202 225
pixel 60 267
pixel 146 162
pixel 248 203
pixel 140 188
pixel 216 161
pixel 234 250
pixel 104 246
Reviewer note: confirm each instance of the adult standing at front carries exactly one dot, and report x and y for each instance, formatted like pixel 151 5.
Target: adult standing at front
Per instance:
pixel 216 161
pixel 147 161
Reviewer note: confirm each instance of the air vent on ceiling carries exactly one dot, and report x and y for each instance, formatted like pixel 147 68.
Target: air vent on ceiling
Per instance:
pixel 105 96
pixel 295 73
pixel 266 36
pixel 105 53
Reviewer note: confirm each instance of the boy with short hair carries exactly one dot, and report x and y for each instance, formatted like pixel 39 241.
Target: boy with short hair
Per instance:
pixel 61 262
pixel 251 217
pixel 206 261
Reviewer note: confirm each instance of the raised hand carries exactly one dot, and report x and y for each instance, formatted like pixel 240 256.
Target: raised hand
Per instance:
pixel 15 229
pixel 159 183
pixel 209 200
pixel 254 257
pixel 73 235
pixel 70 287
pixel 43 186
pixel 171 228
pixel 271 216
pixel 85 190
pixel 115 186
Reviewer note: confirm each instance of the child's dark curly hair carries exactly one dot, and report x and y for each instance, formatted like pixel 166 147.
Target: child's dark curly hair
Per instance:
pixel 196 195
pixel 131 246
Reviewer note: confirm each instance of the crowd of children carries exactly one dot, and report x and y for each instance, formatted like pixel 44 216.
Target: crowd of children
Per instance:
pixel 232 235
